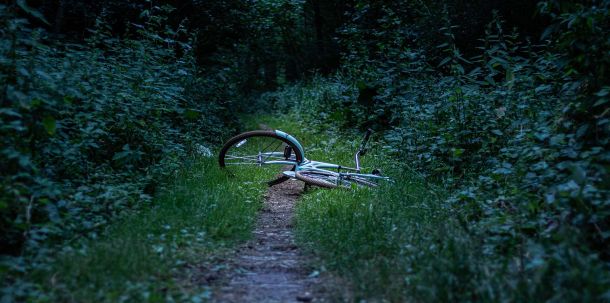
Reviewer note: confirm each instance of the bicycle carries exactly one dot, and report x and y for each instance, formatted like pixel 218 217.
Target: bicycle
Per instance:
pixel 274 147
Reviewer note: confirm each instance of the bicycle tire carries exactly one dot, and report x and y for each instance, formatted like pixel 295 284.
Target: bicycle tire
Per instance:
pixel 314 181
pixel 222 161
pixel 317 178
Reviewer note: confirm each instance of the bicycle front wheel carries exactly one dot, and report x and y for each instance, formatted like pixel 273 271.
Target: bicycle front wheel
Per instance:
pixel 332 180
pixel 252 154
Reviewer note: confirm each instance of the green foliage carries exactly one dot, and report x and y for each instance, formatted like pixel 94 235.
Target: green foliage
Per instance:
pixel 516 131
pixel 260 44
pixel 402 241
pixel 145 256
pixel 413 240
pixel 514 128
pixel 89 131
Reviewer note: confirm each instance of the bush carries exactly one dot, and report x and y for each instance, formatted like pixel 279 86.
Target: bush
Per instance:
pixel 89 130
pixel 518 132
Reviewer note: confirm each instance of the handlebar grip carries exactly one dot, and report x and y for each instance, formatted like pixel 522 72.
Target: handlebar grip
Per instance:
pixel 367 135
pixel 365 140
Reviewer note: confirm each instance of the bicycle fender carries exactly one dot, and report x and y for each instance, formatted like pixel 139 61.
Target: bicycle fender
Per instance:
pixel 293 140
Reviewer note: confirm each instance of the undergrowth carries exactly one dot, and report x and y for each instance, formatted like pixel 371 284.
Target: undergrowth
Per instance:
pixel 90 132
pixel 409 240
pixel 146 257
pixel 498 141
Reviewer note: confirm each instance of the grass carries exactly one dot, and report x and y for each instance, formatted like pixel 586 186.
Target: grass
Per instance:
pixel 142 257
pixel 394 243
pixel 400 242
pixel 405 241
pixel 367 235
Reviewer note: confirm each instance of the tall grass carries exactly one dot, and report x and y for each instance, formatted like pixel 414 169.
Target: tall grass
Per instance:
pixel 401 243
pixel 365 235
pixel 143 257
pixel 404 242
pixel 414 241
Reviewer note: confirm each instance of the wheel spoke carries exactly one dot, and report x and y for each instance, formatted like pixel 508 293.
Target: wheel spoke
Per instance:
pixel 230 157
pixel 242 163
pixel 277 146
pixel 251 155
pixel 254 157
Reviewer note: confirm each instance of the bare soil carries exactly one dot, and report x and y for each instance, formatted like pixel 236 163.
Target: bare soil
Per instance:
pixel 271 267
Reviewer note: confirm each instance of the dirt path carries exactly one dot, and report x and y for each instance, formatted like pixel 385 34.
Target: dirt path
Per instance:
pixel 270 267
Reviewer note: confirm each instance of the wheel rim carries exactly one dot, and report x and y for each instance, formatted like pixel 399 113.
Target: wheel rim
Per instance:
pixel 256 151
pixel 249 155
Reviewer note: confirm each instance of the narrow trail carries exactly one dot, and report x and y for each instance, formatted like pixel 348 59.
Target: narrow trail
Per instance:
pixel 270 267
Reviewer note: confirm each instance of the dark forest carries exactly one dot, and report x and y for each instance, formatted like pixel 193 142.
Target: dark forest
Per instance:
pixel 491 119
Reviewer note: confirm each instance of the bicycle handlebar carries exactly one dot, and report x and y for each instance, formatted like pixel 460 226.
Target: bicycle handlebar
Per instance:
pixel 366 138
pixel 362 150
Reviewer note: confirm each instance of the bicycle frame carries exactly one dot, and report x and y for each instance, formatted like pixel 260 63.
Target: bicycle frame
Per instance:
pixel 328 167
pixel 309 165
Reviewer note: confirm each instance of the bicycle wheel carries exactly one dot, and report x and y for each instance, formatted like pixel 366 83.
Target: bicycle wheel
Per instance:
pixel 249 155
pixel 330 180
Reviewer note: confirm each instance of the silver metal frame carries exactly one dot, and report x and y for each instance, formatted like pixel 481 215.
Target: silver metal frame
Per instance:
pixel 315 166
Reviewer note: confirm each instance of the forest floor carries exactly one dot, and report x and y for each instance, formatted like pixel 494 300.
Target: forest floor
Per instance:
pixel 271 267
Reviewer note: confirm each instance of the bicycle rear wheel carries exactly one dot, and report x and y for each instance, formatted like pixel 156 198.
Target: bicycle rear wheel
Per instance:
pixel 250 154
pixel 332 180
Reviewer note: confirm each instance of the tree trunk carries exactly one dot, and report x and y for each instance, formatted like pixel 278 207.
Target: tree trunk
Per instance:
pixel 318 26
pixel 59 17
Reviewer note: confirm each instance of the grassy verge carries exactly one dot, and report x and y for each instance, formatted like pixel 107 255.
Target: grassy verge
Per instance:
pixel 142 258
pixel 485 237
pixel 405 242
pixel 399 242
pixel 371 237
